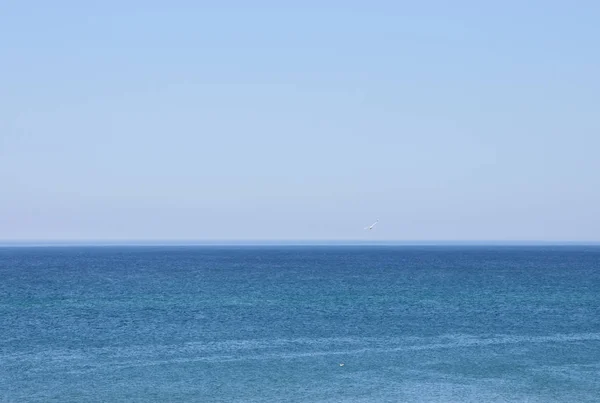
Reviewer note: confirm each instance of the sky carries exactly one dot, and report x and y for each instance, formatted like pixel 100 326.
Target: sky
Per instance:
pixel 236 120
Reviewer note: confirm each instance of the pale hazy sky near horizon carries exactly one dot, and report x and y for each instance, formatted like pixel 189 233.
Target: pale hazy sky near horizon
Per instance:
pixel 463 120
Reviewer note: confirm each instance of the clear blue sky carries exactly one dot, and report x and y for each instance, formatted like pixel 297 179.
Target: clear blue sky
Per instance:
pixel 175 120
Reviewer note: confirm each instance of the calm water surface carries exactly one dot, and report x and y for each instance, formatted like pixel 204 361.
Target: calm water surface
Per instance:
pixel 270 324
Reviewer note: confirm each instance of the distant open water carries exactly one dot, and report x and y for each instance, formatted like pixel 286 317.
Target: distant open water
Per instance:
pixel 273 324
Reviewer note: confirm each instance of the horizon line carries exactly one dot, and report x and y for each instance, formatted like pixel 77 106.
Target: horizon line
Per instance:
pixel 284 242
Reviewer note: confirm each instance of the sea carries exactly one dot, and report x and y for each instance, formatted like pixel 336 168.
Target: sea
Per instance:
pixel 300 323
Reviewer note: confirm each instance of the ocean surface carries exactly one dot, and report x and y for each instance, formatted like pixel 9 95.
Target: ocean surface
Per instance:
pixel 276 323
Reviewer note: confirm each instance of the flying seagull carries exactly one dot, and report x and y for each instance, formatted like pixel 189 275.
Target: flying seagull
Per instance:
pixel 372 225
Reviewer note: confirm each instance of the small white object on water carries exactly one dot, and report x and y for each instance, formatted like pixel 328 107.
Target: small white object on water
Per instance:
pixel 341 364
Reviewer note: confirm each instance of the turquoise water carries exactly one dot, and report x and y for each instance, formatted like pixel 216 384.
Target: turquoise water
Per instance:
pixel 270 324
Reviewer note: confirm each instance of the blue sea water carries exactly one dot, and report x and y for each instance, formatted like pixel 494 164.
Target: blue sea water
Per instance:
pixel 275 323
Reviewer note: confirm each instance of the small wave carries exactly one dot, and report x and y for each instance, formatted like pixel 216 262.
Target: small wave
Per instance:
pixel 269 349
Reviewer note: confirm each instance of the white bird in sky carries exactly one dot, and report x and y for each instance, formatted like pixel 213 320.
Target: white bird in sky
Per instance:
pixel 372 225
